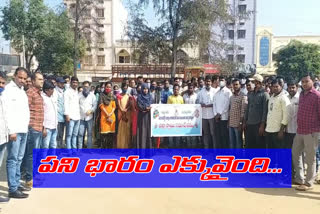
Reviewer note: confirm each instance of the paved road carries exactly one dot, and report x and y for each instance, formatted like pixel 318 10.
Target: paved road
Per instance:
pixel 175 201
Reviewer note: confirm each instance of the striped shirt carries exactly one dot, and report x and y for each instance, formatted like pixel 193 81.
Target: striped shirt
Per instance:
pixel 36 109
pixel 309 112
pixel 238 105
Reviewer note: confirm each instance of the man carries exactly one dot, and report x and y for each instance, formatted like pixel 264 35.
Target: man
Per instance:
pixel 201 85
pixel 72 113
pixel 92 89
pixel 88 105
pixel 148 82
pixel 3 125
pixel 282 84
pixel 277 118
pixel 221 104
pixel 176 98
pixel 18 116
pixel 256 115
pixel 60 106
pixel 140 80
pixel 50 116
pixel 166 92
pixel 238 105
pixel 36 129
pixel 28 82
pixel 249 86
pixel 155 94
pixel 67 80
pixel 190 98
pixel 205 99
pixel 308 130
pixel 215 81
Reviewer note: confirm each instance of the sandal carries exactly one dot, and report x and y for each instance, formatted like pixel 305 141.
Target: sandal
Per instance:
pixel 303 188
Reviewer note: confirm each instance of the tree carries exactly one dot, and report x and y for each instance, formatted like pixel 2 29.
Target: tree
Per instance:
pixel 298 58
pixel 183 22
pixel 83 23
pixel 23 23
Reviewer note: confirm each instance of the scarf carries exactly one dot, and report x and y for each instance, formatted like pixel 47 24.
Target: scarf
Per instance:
pixel 144 100
pixel 106 98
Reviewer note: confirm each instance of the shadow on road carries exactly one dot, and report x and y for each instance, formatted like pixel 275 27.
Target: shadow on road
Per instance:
pixel 286 192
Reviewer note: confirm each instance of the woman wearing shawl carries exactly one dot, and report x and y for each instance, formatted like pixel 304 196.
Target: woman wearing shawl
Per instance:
pixel 106 117
pixel 134 115
pixel 144 120
pixel 124 118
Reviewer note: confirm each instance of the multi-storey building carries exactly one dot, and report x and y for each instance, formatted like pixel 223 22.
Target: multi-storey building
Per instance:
pixel 268 45
pixel 239 35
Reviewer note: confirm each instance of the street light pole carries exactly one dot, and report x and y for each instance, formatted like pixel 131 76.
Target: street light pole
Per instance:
pixel 23 52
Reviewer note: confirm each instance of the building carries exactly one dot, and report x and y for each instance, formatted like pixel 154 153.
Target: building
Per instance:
pixel 105 23
pixel 268 45
pixel 239 36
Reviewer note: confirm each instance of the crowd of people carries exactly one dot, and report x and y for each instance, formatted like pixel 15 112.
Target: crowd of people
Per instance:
pixel 38 111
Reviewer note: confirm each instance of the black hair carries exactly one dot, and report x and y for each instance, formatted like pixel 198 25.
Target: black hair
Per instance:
pixel 3 75
pixel 66 77
pixel 214 78
pixel 125 79
pixel 176 78
pixel 140 77
pixel 152 81
pixel 248 81
pixel 193 79
pixel 47 85
pixel 79 87
pixel 292 82
pixel 190 84
pixel 235 80
pixel 208 78
pixel 74 79
pixel 86 82
pixel 123 84
pixel 176 85
pixel 308 74
pixel 107 83
pixel 20 69
pixel 34 75
pixel 276 81
pixel 222 77
pixel 166 80
pixel 200 78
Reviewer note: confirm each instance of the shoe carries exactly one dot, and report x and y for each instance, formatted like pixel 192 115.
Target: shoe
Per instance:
pixel 304 187
pixel 24 188
pixel 18 194
pixel 4 200
pixel 29 184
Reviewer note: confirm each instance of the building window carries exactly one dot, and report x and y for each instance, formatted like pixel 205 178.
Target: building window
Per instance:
pixel 101 1
pixel 241 58
pixel 101 60
pixel 88 60
pixel 231 34
pixel 87 13
pixel 231 24
pixel 242 23
pixel 101 26
pixel 230 48
pixel 240 48
pixel 87 35
pixel 100 37
pixel 101 49
pixel 241 34
pixel 230 58
pixel 124 59
pixel 100 13
pixel 242 8
pixel 89 49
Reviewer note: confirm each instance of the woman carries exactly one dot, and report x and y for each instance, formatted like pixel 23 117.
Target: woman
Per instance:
pixel 144 121
pixel 134 116
pixel 106 119
pixel 124 118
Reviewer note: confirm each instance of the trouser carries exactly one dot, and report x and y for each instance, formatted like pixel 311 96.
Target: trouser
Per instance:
pixel 50 141
pixel 308 144
pixel 2 151
pixel 107 140
pixel 34 140
pixel 72 133
pixel 60 134
pixel 85 127
pixel 273 142
pixel 253 140
pixel 235 138
pixel 16 150
pixel 222 134
pixel 192 142
pixel 209 140
pixel 175 143
pixel 288 140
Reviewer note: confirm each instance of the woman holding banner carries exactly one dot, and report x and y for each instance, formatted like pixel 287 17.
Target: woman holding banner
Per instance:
pixel 144 120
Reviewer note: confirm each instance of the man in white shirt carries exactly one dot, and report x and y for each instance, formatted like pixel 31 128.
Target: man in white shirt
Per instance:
pixel 50 122
pixel 18 117
pixel 221 104
pixel 205 99
pixel 72 113
pixel 60 105
pixel 277 118
pixel 88 105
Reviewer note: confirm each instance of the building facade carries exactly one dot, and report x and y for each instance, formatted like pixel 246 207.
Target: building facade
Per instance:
pixel 268 45
pixel 239 35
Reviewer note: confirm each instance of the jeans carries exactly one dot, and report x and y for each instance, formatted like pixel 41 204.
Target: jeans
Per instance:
pixel 235 138
pixel 50 141
pixel 317 159
pixel 209 139
pixel 72 134
pixel 33 142
pixel 16 151
pixel 60 134
pixel 85 126
pixel 2 150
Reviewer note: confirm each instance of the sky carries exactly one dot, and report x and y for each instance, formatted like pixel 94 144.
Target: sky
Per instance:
pixel 286 17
